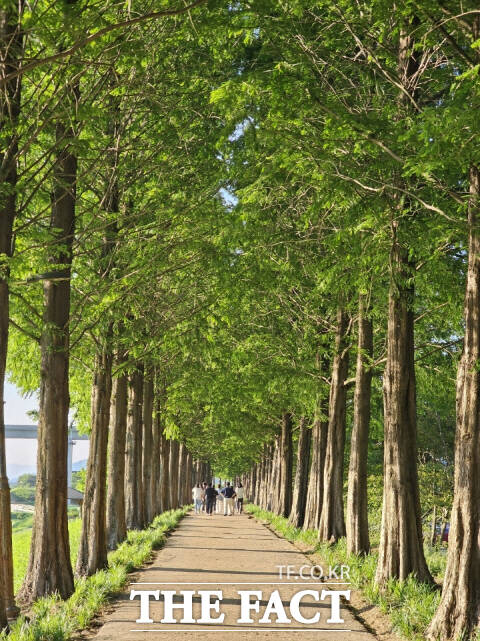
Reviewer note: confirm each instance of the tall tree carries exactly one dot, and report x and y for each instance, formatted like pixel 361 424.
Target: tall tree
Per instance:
pixel 401 543
pixel 11 42
pixel 332 521
pixel 49 568
pixel 147 445
pixel 116 524
pixel 92 554
pixel 134 496
pixel 358 541
pixel 457 613
pixel 300 485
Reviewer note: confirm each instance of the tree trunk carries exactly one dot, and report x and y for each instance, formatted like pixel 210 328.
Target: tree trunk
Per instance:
pixel 11 41
pixel 433 531
pixel 134 506
pixel 332 522
pixel 458 610
pixel 285 467
pixel 164 473
pixel 188 483
pixel 116 524
pixel 300 486
pixel 401 544
pixel 358 541
pixel 173 474
pixel 313 507
pixel 274 479
pixel 92 554
pixel 268 474
pixel 147 446
pixel 181 470
pixel 156 449
pixel 49 568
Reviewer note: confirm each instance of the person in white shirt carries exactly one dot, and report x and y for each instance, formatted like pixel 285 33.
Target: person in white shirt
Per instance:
pixel 240 492
pixel 197 495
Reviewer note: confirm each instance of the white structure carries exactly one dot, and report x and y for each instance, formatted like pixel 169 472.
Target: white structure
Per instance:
pixel 30 432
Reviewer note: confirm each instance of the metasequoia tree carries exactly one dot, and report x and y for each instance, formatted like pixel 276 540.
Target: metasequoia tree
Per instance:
pixel 401 542
pixel 134 495
pixel 332 522
pixel 49 568
pixel 358 541
pixel 116 524
pixel 147 445
pixel 300 484
pixel 10 54
pixel 457 613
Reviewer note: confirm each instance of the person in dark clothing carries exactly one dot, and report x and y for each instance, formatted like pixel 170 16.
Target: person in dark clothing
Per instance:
pixel 210 498
pixel 228 496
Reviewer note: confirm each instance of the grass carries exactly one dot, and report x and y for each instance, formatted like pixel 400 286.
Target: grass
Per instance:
pixel 21 547
pixel 57 620
pixel 409 604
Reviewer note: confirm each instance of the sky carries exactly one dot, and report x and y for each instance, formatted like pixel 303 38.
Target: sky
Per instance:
pixel 24 451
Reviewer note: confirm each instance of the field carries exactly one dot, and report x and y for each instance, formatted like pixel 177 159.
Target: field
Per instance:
pixel 22 534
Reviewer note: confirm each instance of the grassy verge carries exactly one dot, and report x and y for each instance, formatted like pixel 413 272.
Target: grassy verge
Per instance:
pixel 409 604
pixel 57 620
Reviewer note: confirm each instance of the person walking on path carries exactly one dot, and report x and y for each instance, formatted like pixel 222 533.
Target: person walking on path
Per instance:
pixel 219 501
pixel 197 494
pixel 210 497
pixel 228 495
pixel 240 493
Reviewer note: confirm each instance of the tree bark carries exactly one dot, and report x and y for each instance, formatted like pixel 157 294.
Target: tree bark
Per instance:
pixel 11 42
pixel 92 554
pixel 134 505
pixel 358 541
pixel 284 504
pixel 147 446
pixel 156 449
pixel 401 544
pixel 173 474
pixel 188 484
pixel 181 470
pixel 300 486
pixel 313 507
pixel 49 569
pixel 458 610
pixel 164 472
pixel 332 522
pixel 274 478
pixel 116 524
pixel 433 531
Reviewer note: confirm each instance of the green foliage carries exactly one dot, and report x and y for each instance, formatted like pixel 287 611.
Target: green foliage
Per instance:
pixel 79 479
pixel 23 494
pixel 26 480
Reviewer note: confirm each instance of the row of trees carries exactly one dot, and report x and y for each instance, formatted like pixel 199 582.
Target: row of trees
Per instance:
pixel 80 235
pixel 216 213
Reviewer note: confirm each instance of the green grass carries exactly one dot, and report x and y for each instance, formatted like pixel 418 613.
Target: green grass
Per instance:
pixel 21 548
pixel 409 604
pixel 55 620
pixel 21 521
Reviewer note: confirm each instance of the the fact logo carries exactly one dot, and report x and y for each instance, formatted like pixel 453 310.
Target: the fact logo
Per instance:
pixel 251 610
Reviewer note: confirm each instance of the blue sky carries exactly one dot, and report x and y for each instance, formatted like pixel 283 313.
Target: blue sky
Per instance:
pixel 24 451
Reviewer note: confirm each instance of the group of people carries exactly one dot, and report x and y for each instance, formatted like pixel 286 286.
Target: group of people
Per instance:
pixel 210 500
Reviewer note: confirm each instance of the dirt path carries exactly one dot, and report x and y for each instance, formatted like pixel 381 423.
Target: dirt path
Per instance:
pixel 229 554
